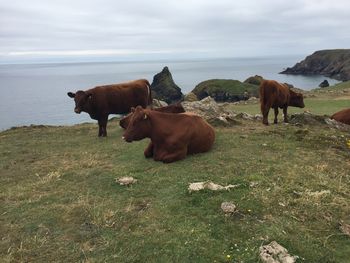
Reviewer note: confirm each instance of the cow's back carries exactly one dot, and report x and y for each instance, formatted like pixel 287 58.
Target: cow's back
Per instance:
pixel 119 98
pixel 342 116
pixel 273 94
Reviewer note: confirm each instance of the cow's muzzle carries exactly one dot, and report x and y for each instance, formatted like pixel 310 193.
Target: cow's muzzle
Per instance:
pixel 127 139
pixel 76 110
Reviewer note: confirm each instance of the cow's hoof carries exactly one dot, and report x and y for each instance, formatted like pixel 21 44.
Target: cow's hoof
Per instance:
pixel 148 155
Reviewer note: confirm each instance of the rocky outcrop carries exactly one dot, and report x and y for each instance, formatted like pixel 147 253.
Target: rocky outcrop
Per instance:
pixel 324 84
pixel 190 97
pixel 225 90
pixel 331 63
pixel 212 112
pixel 164 88
pixel 311 119
pixel 254 80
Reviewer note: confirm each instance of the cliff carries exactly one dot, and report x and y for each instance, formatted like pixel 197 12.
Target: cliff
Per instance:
pixel 331 63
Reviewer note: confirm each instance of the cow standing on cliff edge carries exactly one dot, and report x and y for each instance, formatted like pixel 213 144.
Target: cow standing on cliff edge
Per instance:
pixel 101 101
pixel 276 95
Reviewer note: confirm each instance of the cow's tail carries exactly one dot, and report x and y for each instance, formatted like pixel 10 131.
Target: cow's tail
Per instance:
pixel 262 92
pixel 149 90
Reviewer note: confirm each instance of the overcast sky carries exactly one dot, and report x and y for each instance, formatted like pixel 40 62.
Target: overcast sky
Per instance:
pixel 170 29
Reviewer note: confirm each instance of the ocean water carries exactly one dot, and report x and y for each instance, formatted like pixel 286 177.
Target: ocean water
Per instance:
pixel 37 93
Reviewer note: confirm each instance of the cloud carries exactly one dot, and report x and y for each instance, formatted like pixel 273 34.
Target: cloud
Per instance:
pixel 214 28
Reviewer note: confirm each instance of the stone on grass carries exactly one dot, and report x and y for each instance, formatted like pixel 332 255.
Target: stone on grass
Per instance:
pixel 127 180
pixel 194 187
pixel 228 207
pixel 345 228
pixel 159 103
pixel 275 253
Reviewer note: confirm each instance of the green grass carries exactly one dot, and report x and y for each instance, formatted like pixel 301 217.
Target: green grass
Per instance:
pixel 60 202
pixel 319 106
pixel 230 86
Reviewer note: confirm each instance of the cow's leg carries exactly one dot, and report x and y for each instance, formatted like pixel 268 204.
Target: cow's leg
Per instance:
pixel 172 157
pixel 265 113
pixel 276 114
pixel 285 114
pixel 149 150
pixel 102 122
pixel 99 129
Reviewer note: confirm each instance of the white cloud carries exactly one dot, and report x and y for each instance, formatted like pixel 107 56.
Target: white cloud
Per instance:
pixel 216 28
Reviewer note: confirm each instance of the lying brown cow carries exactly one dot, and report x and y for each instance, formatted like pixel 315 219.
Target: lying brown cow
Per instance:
pixel 101 101
pixel 342 116
pixel 173 108
pixel 275 95
pixel 173 136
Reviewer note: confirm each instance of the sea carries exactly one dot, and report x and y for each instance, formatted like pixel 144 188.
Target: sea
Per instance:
pixel 37 93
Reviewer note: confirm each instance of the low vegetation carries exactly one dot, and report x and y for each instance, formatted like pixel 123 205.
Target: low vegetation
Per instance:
pixel 60 201
pixel 225 90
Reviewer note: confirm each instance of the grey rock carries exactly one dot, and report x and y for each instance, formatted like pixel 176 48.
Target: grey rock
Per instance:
pixel 212 112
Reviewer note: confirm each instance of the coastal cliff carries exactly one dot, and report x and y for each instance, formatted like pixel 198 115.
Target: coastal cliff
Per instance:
pixel 331 63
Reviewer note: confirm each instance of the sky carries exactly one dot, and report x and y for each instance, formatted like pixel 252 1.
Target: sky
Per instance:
pixel 154 29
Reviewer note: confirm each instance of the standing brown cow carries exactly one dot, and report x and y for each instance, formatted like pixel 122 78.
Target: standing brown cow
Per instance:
pixel 173 108
pixel 101 101
pixel 173 136
pixel 342 116
pixel 276 95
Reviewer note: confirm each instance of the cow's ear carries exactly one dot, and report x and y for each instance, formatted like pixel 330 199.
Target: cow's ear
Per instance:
pixel 132 109
pixel 71 94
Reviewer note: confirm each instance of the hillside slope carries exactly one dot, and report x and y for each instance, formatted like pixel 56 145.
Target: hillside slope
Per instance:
pixel 60 201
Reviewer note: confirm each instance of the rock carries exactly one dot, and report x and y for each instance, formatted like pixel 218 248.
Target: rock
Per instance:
pixel 324 84
pixel 164 88
pixel 190 97
pixel 249 117
pixel 212 112
pixel 127 180
pixel 311 119
pixel 194 187
pixel 254 80
pixel 228 207
pixel 158 103
pixel 275 253
pixel 331 63
pixel 344 228
pixel 337 125
pixel 307 118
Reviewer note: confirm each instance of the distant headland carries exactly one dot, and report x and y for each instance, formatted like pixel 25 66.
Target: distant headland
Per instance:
pixel 333 63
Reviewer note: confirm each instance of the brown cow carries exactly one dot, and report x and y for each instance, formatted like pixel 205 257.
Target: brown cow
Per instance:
pixel 173 136
pixel 342 116
pixel 173 108
pixel 276 95
pixel 101 101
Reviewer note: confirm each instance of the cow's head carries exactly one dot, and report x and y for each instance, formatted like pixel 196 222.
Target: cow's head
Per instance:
pixel 124 122
pixel 296 99
pixel 82 100
pixel 139 126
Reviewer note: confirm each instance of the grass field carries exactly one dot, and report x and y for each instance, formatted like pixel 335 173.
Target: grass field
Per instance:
pixel 60 202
